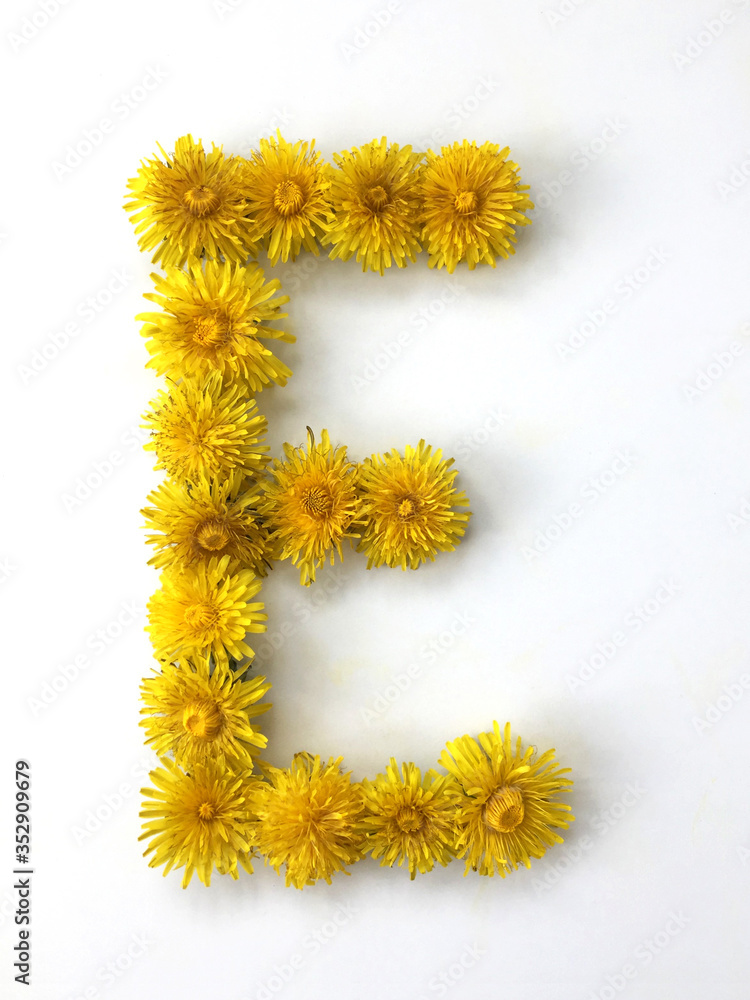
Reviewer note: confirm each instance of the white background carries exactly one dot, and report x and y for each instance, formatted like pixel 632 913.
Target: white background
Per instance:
pixel 653 217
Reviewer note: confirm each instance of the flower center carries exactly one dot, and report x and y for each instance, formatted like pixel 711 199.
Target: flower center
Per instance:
pixel 465 202
pixel 200 201
pixel 409 819
pixel 503 810
pixel 212 535
pixel 288 197
pixel 408 507
pixel 200 616
pixel 202 719
pixel 211 331
pixel 316 501
pixel 376 198
pixel 206 810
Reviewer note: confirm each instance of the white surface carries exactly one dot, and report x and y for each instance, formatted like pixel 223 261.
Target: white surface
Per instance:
pixel 678 844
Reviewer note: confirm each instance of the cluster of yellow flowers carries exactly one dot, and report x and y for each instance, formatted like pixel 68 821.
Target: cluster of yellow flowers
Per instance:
pixel 380 203
pixel 496 807
pixel 399 507
pixel 226 513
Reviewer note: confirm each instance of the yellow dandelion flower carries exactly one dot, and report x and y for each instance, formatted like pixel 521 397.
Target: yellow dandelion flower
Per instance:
pixel 198 714
pixel 198 821
pixel 287 190
pixel 307 820
pixel 214 318
pixel 509 810
pixel 204 428
pixel 406 510
pixel 410 818
pixel 310 501
pixel 376 202
pixel 473 199
pixel 197 521
pixel 191 203
pixel 205 608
